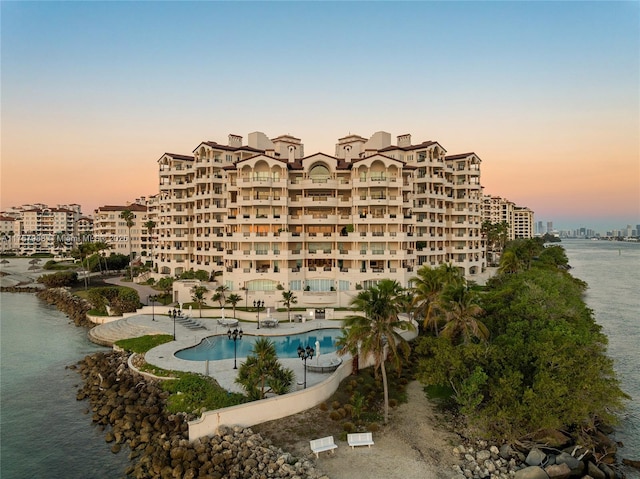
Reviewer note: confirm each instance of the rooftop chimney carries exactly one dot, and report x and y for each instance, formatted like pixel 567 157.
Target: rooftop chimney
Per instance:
pixel 404 140
pixel 235 140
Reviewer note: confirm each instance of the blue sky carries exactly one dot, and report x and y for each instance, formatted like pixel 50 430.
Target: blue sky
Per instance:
pixel 546 93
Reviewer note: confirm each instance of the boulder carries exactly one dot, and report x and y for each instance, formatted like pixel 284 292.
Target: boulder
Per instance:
pixel 531 472
pixel 595 472
pixel 569 460
pixel 535 457
pixel 552 438
pixel 558 471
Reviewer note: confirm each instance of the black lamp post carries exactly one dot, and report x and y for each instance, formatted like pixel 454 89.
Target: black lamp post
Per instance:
pixel 304 354
pixel 235 335
pixel 152 299
pixel 258 304
pixel 175 313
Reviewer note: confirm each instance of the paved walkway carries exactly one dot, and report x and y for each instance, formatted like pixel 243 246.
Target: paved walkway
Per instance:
pixel 155 320
pixel 143 290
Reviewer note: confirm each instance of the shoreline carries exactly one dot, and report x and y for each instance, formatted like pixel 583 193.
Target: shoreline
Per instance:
pixel 381 444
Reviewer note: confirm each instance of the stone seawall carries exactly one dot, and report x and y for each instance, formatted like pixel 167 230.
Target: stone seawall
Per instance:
pixel 132 412
pixel 74 307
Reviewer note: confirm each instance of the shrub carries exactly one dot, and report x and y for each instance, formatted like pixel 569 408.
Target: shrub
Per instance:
pixel 373 427
pixel 323 406
pixel 121 300
pixel 393 403
pixel 335 416
pixel 342 411
pixel 349 427
pixel 336 405
pixel 59 279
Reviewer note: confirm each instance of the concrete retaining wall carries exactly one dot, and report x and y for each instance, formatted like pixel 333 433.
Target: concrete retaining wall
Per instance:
pixel 277 407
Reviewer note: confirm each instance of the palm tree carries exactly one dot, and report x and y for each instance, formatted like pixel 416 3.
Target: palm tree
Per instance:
pixel 427 286
pixel 150 225
pixel 82 252
pixel 234 299
pixel 128 216
pixel 375 332
pixel 509 263
pixel 99 247
pixel 262 373
pixel 289 298
pixel 197 295
pixel 219 295
pixel 461 309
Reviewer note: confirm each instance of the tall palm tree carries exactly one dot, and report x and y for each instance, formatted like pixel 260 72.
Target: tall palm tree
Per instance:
pixel 233 299
pixel 461 309
pixel 375 332
pixel 150 225
pixel 101 246
pixel 289 298
pixel 128 216
pixel 427 286
pixel 82 252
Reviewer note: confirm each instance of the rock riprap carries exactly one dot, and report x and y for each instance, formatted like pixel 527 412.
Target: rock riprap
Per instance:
pixel 132 411
pixel 481 461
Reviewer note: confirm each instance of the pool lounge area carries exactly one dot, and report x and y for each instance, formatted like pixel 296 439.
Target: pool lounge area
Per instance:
pixel 222 369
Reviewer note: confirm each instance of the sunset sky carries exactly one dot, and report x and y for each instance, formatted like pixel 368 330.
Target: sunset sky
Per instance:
pixel 546 93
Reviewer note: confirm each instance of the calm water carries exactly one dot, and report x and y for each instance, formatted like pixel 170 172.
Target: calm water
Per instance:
pixel 612 270
pixel 220 347
pixel 44 431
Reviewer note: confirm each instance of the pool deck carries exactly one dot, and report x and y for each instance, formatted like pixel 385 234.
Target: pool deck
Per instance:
pixel 222 370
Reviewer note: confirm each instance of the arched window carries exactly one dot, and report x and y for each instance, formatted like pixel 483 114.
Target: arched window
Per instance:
pixel 319 173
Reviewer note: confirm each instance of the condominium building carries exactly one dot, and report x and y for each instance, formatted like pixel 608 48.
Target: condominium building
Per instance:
pixel 110 227
pixel 263 216
pixel 520 219
pixel 522 222
pixel 42 229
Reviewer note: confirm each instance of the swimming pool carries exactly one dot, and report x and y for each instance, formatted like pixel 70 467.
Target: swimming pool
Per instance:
pixel 215 348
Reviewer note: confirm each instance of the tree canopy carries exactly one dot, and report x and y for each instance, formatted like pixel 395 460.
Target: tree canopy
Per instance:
pixel 544 364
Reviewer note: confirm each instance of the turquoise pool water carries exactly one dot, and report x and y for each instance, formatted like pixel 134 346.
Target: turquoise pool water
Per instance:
pixel 215 348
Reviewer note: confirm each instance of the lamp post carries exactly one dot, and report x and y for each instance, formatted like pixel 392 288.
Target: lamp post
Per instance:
pixel 304 354
pixel 258 304
pixel 235 335
pixel 175 313
pixel 152 299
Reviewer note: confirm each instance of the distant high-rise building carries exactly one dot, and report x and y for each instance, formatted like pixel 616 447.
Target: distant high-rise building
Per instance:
pixel 109 227
pixel 550 227
pixel 39 228
pixel 540 228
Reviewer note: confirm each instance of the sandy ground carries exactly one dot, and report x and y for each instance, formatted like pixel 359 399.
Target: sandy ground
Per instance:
pixel 412 446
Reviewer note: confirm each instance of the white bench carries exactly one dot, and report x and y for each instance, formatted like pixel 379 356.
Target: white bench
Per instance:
pixel 360 439
pixel 323 444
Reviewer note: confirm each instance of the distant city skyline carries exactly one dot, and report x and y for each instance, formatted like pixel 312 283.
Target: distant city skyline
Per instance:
pixel 548 101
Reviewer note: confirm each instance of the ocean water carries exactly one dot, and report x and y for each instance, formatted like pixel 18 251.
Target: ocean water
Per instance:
pixel 612 270
pixel 44 430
